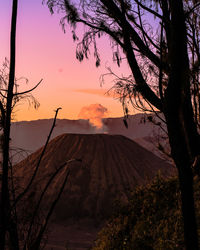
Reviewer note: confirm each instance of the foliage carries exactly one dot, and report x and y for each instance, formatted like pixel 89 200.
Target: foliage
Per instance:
pixel 151 220
pixel 148 25
pixel 23 223
pixel 160 41
pixel 17 96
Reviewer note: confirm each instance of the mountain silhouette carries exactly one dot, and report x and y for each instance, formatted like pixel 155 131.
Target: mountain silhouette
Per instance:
pixel 108 168
pixel 28 136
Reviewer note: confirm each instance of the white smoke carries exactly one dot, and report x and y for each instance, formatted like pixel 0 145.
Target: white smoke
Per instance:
pixel 94 113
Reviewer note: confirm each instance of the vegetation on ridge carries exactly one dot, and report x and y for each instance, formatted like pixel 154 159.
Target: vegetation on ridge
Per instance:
pixel 151 220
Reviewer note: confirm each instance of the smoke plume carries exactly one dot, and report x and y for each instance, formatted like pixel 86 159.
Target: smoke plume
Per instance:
pixel 94 113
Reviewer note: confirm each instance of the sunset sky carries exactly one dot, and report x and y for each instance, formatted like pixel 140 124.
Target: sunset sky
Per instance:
pixel 45 51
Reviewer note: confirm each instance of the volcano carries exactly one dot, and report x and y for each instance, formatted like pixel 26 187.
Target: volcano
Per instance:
pixel 103 168
pixel 29 136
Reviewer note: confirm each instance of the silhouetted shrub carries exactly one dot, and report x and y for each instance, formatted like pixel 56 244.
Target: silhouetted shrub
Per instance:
pixel 151 220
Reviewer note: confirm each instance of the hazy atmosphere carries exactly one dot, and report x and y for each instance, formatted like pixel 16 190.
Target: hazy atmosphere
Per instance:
pixel 99 124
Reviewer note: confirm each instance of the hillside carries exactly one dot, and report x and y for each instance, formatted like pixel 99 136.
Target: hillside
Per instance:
pixel 158 226
pixel 111 166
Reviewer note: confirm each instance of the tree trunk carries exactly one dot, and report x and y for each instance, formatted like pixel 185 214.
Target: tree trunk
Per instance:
pixel 181 156
pixel 182 130
pixel 6 221
pixel 188 207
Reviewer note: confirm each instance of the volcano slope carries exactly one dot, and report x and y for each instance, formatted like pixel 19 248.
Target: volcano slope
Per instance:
pixel 111 166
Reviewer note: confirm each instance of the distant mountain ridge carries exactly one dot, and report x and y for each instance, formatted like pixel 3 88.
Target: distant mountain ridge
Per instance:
pixel 31 135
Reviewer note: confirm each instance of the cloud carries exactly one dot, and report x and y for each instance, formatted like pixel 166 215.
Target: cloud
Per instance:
pixel 100 92
pixel 94 113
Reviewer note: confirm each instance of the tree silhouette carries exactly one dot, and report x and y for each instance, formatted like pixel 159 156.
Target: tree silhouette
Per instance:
pixel 5 216
pixel 15 232
pixel 160 40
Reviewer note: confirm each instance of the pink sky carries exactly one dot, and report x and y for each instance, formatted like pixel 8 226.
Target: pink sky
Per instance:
pixel 44 51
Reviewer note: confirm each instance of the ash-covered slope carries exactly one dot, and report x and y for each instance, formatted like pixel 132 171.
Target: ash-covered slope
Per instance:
pixel 111 166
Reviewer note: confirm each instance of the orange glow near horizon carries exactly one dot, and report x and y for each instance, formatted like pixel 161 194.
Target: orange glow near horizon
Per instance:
pixel 71 106
pixel 45 52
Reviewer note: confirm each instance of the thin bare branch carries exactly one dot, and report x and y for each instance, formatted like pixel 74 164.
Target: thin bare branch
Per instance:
pixel 42 195
pixel 43 228
pixel 148 9
pixel 28 91
pixel 192 9
pixel 39 161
